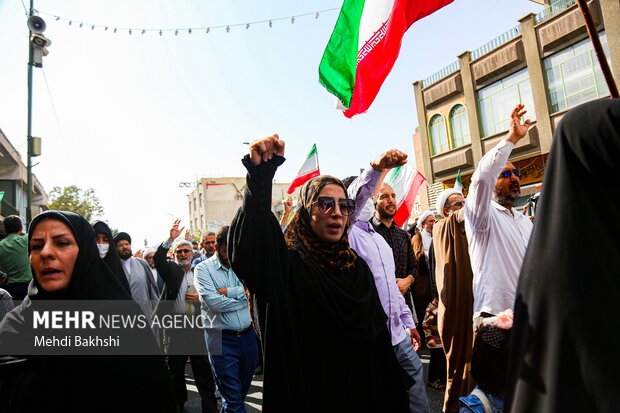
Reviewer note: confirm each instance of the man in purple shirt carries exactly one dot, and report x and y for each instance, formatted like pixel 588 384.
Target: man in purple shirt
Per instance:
pixel 373 248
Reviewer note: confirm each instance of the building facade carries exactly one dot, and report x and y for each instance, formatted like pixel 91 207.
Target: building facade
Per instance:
pixel 546 62
pixel 13 182
pixel 215 201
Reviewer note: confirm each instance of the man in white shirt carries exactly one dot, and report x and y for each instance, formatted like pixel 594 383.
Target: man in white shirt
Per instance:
pixel 497 234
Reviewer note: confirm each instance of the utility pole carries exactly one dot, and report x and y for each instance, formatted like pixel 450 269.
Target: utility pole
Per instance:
pixel 37 44
pixel 29 137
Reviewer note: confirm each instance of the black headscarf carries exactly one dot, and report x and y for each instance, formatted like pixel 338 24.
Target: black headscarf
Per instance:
pixel 91 278
pixel 111 258
pixel 567 297
pixel 69 383
pixel 300 236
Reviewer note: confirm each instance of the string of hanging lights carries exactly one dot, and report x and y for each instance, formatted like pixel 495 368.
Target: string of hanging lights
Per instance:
pixel 177 31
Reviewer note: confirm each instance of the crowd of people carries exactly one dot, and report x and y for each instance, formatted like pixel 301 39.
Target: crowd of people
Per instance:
pixel 338 301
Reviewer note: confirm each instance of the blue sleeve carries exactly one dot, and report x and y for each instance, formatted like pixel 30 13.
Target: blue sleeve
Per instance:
pixel 209 295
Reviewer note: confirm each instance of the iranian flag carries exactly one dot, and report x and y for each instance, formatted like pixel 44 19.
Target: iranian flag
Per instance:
pixel 405 181
pixel 308 170
pixel 364 46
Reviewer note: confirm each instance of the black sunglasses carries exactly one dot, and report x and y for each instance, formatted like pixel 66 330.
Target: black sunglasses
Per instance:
pixel 457 203
pixel 326 205
pixel 506 174
pixel 183 251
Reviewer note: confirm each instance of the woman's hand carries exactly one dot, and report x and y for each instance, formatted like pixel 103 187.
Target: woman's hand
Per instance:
pixel 262 150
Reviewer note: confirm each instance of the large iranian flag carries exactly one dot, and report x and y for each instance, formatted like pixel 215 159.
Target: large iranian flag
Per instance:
pixel 364 46
pixel 405 181
pixel 308 170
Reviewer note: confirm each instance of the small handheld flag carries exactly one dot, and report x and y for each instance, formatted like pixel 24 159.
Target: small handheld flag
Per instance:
pixel 308 170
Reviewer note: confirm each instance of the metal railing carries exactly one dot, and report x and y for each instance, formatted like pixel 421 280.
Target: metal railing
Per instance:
pixel 497 42
pixel 554 9
pixel 503 38
pixel 448 70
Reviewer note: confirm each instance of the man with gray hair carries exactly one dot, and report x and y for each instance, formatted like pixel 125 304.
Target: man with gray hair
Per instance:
pixel 180 292
pixel 207 246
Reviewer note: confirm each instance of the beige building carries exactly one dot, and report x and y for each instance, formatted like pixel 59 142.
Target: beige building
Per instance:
pixel 215 201
pixel 13 182
pixel 545 62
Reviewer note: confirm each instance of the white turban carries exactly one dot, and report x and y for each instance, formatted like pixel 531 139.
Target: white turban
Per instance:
pixel 443 198
pixel 425 214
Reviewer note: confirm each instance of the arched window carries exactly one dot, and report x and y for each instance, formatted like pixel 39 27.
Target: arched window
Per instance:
pixel 459 126
pixel 438 134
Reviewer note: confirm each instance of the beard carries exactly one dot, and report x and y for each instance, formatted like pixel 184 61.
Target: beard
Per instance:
pixel 125 256
pixel 383 214
pixel 224 262
pixel 507 200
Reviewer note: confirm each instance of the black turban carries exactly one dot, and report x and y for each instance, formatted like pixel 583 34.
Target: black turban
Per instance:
pixel 122 236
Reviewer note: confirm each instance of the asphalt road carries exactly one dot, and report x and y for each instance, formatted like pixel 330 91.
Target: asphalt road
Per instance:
pixel 254 400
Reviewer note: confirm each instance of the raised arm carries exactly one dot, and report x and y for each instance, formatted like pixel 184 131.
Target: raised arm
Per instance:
pixel 484 178
pixel 363 186
pixel 256 244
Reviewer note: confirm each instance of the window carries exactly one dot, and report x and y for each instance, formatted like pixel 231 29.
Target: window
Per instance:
pixel 496 102
pixel 439 136
pixel 459 126
pixel 574 76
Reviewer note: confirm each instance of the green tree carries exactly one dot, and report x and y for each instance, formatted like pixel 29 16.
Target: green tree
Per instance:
pixel 71 198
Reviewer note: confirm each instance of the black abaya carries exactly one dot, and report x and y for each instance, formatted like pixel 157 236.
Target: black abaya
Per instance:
pixel 567 298
pixel 111 258
pixel 327 347
pixel 81 383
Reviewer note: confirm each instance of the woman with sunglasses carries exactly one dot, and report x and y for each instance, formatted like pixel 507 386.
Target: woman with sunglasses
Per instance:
pixel 326 343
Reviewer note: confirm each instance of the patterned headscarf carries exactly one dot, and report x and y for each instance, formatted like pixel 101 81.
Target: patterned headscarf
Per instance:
pixel 300 236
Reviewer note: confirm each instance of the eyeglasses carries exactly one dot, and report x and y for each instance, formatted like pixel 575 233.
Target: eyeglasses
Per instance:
pixel 506 174
pixel 457 203
pixel 326 205
pixel 183 251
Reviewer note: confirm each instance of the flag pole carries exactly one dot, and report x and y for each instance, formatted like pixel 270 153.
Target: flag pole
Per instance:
pixel 598 48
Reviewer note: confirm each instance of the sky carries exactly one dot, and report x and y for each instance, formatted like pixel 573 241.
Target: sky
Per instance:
pixel 132 116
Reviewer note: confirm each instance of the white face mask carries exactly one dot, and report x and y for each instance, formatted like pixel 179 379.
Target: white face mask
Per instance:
pixel 103 249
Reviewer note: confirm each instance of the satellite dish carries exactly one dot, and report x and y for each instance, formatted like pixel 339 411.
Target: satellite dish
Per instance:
pixel 36 24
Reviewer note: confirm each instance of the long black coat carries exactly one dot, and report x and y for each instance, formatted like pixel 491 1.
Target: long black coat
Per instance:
pixel 565 359
pixel 327 347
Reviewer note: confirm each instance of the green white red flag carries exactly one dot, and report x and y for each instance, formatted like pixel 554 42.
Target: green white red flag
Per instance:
pixel 405 181
pixel 308 170
pixel 364 46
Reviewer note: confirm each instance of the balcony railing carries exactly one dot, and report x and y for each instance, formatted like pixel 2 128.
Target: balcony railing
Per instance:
pixel 497 42
pixel 448 70
pixel 554 9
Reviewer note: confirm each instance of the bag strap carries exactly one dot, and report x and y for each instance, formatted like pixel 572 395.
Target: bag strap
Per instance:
pixel 483 398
